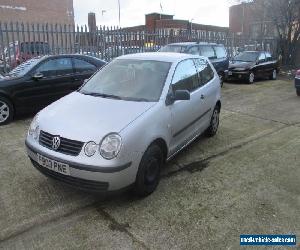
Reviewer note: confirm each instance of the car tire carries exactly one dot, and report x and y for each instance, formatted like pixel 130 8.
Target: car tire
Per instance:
pixel 298 92
pixel 148 174
pixel 6 111
pixel 273 76
pixel 251 78
pixel 214 123
pixel 221 77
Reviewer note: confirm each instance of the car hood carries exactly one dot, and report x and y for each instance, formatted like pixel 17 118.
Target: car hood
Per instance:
pixel 239 64
pixel 85 118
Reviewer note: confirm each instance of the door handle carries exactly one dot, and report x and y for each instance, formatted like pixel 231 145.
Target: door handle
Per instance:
pixel 202 97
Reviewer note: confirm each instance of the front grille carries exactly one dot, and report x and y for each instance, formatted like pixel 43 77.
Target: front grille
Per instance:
pixel 87 185
pixel 67 146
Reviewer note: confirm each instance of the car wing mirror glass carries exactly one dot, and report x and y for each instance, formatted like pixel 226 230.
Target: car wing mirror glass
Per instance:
pixel 38 76
pixel 177 95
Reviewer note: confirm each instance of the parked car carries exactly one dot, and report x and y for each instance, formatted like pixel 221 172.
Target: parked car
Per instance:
pixel 19 52
pixel 297 82
pixel 40 81
pixel 95 138
pixel 216 53
pixel 251 65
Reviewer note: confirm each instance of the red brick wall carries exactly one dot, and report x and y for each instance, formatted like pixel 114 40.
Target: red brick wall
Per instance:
pixel 37 11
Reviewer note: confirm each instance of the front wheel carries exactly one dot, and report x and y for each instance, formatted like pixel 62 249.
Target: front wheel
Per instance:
pixel 148 175
pixel 251 78
pixel 214 123
pixel 6 111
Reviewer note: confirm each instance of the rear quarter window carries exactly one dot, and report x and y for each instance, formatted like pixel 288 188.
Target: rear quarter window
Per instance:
pixel 220 52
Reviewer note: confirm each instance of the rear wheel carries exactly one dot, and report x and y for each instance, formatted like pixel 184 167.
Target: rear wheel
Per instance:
pixel 273 76
pixel 251 78
pixel 148 175
pixel 6 111
pixel 221 79
pixel 214 123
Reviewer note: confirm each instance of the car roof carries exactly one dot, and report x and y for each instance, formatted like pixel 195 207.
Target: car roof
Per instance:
pixel 160 56
pixel 71 55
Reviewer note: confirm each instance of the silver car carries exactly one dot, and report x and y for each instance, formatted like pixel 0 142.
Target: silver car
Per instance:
pixel 126 121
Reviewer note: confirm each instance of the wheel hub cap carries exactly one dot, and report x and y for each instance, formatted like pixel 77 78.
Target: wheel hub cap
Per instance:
pixel 152 171
pixel 4 111
pixel 215 121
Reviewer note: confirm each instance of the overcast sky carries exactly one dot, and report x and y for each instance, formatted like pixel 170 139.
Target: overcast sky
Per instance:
pixel 214 12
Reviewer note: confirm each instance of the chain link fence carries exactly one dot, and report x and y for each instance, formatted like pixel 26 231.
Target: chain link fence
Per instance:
pixel 20 41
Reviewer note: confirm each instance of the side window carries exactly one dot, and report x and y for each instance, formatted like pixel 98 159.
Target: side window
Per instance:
pixel 205 71
pixel 262 57
pixel 185 76
pixel 56 67
pixel 83 66
pixel 220 52
pixel 193 50
pixel 268 57
pixel 208 51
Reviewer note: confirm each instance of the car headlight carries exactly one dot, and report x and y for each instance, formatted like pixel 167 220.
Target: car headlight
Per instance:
pixel 90 148
pixel 110 146
pixel 34 128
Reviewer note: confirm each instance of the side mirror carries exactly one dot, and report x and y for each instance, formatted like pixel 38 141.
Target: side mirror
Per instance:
pixel 38 76
pixel 178 95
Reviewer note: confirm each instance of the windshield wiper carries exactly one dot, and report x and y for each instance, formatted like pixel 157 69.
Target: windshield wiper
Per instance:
pixel 102 95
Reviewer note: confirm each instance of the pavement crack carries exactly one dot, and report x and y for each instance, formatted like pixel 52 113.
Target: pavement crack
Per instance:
pixel 201 164
pixel 121 227
pixel 257 117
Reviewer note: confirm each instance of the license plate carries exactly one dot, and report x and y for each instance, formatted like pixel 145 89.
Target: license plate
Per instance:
pixel 230 73
pixel 53 165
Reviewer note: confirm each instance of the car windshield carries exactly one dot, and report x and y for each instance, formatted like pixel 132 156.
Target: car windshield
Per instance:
pixel 23 68
pixel 127 79
pixel 172 48
pixel 246 57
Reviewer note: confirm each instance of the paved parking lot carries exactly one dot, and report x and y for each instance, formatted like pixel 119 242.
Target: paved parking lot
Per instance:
pixel 246 180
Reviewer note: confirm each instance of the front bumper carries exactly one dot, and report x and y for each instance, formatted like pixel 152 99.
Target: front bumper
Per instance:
pixel 82 176
pixel 235 75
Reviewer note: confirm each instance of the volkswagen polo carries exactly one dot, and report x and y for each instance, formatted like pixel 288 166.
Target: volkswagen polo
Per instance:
pixel 120 127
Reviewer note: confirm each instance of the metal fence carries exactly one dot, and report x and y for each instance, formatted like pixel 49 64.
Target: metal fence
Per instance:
pixel 19 41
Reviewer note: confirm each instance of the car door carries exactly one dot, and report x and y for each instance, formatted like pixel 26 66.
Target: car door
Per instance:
pixel 261 66
pixel 270 64
pixel 83 70
pixel 58 75
pixel 183 112
pixel 209 82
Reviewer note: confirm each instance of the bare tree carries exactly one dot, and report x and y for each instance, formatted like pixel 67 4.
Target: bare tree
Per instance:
pixel 285 17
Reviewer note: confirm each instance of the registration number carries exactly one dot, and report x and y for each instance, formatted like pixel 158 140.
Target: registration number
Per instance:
pixel 53 165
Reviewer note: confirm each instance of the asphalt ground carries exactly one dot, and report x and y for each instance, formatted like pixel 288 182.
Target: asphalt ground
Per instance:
pixel 245 180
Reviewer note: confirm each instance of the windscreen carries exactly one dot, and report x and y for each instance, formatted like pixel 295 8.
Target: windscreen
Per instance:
pixel 246 57
pixel 172 48
pixel 24 68
pixel 127 79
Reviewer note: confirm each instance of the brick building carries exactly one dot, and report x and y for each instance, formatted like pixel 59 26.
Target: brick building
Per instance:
pixel 37 11
pixel 156 22
pixel 250 21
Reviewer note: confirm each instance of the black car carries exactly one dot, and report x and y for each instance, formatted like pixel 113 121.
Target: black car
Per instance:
pixel 297 82
pixel 216 53
pixel 251 65
pixel 40 81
